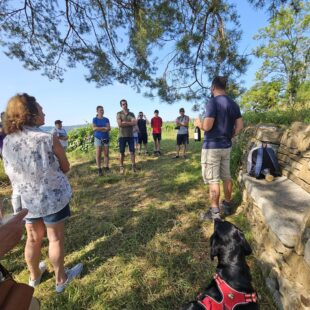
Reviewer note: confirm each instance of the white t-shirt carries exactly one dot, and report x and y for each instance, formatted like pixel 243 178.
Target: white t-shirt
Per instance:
pixel 61 133
pixel 34 172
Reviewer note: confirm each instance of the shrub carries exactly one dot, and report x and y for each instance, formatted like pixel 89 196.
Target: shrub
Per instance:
pixel 82 139
pixel 280 117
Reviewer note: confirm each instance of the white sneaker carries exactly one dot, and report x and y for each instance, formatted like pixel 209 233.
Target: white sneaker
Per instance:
pixel 71 274
pixel 34 283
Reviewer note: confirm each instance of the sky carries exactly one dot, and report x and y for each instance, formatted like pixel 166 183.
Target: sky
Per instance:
pixel 74 101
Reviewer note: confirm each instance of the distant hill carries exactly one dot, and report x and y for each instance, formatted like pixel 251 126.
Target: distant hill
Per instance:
pixel 67 128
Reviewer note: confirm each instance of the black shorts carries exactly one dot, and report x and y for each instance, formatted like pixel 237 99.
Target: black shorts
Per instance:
pixel 182 139
pixel 157 136
pixel 142 138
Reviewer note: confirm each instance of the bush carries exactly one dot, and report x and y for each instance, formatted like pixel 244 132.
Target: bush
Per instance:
pixel 83 139
pixel 279 117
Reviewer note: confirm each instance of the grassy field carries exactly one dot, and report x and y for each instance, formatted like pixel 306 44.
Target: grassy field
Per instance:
pixel 138 235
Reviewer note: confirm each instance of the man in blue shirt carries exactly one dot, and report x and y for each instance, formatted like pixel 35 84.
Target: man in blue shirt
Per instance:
pixel 101 128
pixel 222 121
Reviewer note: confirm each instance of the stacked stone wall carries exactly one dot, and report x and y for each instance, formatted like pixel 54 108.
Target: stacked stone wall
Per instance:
pixel 279 213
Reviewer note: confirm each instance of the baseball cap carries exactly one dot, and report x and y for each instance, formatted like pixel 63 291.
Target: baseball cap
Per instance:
pixel 156 111
pixel 58 121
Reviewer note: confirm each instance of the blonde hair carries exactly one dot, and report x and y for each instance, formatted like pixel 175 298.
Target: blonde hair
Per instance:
pixel 22 110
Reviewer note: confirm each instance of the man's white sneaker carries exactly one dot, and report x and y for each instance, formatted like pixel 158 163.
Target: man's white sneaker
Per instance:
pixel 72 273
pixel 34 283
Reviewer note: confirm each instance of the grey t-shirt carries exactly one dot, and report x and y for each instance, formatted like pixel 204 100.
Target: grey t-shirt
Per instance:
pixel 183 129
pixel 125 132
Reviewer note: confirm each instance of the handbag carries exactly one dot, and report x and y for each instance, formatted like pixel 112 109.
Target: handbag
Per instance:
pixel 14 295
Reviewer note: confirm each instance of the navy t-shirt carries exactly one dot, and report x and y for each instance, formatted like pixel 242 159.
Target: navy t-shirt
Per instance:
pixel 225 111
pixel 101 122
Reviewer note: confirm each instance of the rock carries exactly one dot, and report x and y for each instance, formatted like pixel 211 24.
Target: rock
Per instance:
pixel 297 137
pixel 269 133
pixel 307 252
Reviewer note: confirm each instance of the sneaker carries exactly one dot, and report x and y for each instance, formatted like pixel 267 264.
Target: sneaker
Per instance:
pixel 34 283
pixel 107 169
pixel 176 156
pixel 226 207
pixel 159 152
pixel 71 274
pixel 121 169
pixel 100 172
pixel 210 215
pixel 134 168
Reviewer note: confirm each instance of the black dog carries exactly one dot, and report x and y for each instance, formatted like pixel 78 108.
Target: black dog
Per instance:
pixel 233 276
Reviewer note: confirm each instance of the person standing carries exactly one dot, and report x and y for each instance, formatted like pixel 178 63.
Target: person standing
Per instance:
pixel 101 128
pixel 126 120
pixel 135 132
pixel 142 122
pixel 182 135
pixel 61 133
pixel 33 155
pixel 156 124
pixel 222 121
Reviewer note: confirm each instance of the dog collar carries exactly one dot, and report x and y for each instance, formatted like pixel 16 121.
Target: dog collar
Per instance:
pixel 231 297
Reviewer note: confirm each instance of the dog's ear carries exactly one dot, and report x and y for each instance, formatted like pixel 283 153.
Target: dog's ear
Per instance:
pixel 214 247
pixel 244 244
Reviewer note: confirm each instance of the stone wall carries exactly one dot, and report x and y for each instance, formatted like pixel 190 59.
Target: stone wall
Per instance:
pixel 279 213
pixel 294 154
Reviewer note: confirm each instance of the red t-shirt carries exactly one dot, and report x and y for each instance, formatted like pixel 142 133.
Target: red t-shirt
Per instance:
pixel 156 123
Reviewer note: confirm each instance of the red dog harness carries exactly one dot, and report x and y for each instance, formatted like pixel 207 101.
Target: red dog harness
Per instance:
pixel 231 297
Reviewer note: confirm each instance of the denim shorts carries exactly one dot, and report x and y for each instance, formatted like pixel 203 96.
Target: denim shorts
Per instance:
pixel 126 140
pixel 52 218
pixel 101 142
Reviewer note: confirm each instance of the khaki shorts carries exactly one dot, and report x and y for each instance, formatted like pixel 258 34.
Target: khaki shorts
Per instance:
pixel 215 165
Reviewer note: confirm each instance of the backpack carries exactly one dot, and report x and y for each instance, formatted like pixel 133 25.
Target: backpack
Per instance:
pixel 261 158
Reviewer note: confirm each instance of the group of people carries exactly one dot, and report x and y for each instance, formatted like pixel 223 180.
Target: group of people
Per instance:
pixel 129 125
pixel 36 164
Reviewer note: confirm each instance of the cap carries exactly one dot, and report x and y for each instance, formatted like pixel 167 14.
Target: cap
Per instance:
pixel 58 121
pixel 182 110
pixel 156 111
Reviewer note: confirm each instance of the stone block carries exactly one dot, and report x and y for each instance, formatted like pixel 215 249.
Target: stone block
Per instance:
pixel 269 133
pixel 297 137
pixel 307 252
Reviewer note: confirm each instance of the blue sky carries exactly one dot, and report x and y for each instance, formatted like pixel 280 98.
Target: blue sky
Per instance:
pixel 74 101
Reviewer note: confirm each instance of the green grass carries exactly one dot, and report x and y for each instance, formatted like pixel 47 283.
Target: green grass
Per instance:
pixel 138 235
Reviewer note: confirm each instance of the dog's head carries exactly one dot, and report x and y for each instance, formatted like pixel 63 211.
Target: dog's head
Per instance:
pixel 228 238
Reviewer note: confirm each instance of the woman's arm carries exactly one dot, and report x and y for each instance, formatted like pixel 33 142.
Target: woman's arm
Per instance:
pixel 11 232
pixel 61 155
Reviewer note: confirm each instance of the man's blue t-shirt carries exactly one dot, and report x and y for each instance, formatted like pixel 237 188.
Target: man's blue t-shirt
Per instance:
pixel 225 111
pixel 101 122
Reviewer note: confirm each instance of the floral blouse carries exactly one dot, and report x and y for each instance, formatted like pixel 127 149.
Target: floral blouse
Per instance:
pixel 34 172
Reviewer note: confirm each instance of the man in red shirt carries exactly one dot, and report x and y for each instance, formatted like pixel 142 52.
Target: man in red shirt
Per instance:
pixel 156 124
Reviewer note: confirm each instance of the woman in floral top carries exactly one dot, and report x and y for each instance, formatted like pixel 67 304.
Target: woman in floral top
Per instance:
pixel 36 164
